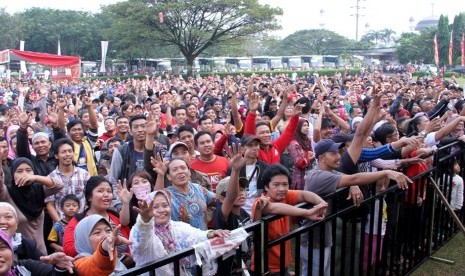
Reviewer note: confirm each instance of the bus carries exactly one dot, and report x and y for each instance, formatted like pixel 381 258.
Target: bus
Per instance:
pixel 261 63
pixel 331 61
pixel 238 64
pixel 119 66
pixel 218 64
pixel 89 68
pixel 276 63
pixel 292 62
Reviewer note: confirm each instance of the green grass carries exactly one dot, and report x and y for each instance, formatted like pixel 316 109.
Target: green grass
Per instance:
pixel 453 250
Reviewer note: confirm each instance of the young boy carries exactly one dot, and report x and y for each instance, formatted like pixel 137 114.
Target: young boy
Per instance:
pixel 70 205
pixel 229 214
pixel 456 198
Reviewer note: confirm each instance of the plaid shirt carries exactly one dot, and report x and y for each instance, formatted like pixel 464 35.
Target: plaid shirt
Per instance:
pixel 73 184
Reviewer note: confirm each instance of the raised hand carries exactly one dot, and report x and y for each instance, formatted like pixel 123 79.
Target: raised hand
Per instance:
pixel 53 118
pixel 87 101
pixel 238 161
pixel 61 103
pixel 254 102
pixel 298 109
pixel 123 193
pixel 158 165
pixel 145 210
pixel 151 127
pixel 113 240
pixel 24 119
pixel 60 260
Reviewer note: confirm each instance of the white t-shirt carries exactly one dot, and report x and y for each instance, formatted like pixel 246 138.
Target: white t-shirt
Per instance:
pixel 252 192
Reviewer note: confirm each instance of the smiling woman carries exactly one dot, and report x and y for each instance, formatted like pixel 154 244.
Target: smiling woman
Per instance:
pixel 155 235
pixel 98 194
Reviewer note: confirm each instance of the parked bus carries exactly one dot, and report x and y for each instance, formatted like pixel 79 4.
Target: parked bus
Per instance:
pixel 89 68
pixel 261 63
pixel 292 62
pixel 331 61
pixel 238 64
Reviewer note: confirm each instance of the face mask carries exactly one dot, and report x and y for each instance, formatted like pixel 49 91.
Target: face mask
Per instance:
pixel 141 192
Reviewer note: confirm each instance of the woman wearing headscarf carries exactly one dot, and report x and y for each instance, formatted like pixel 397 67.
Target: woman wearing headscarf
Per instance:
pixel 300 150
pixel 155 235
pixel 26 194
pixel 96 242
pixel 55 264
pixel 11 135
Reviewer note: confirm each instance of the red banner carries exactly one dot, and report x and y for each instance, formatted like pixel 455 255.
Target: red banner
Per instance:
pixel 436 50
pixel 462 49
pixel 451 48
pixel 69 72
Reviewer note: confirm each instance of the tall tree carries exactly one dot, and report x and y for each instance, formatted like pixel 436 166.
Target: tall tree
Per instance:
pixel 372 36
pixel 11 30
pixel 195 25
pixel 458 28
pixel 443 40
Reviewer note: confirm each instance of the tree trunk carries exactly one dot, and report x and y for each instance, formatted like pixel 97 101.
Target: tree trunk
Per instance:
pixel 190 64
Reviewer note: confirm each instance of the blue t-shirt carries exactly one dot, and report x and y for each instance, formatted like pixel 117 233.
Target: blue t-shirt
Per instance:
pixel 191 208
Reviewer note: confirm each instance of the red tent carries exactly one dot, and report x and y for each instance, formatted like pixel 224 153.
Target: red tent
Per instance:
pixel 63 67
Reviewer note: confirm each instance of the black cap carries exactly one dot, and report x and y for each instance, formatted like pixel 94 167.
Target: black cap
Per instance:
pixel 326 145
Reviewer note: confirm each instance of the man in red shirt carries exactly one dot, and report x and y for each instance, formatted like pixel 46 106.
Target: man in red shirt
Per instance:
pixel 270 151
pixel 212 165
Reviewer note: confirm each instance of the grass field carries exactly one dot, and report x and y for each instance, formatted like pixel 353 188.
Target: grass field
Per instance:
pixel 453 250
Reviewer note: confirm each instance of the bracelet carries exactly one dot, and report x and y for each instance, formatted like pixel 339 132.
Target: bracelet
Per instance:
pixel 56 268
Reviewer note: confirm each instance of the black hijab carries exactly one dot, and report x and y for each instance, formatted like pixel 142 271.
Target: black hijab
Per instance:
pixel 29 199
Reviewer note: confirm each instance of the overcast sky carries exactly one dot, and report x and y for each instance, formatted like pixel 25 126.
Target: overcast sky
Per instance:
pixel 334 15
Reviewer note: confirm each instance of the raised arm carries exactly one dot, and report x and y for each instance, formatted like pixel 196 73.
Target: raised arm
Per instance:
pixel 364 129
pixel 92 115
pixel 282 108
pixel 234 109
pixel 22 142
pixel 238 162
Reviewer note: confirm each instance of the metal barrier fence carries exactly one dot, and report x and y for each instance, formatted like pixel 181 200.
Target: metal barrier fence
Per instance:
pixel 391 233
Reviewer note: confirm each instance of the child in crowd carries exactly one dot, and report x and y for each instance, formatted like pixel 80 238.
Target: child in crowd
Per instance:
pixel 70 205
pixel 456 198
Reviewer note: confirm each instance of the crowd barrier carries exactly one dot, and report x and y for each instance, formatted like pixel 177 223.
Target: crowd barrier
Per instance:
pixel 392 233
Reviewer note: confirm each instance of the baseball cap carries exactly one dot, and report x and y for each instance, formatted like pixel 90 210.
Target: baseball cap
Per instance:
pixel 326 145
pixel 248 138
pixel 176 144
pixel 223 184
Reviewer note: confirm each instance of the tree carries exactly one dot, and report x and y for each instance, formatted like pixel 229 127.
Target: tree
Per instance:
pixel 11 30
pixel 443 40
pixel 195 25
pixel 387 35
pixel 312 42
pixel 79 32
pixel 458 28
pixel 416 48
pixel 372 36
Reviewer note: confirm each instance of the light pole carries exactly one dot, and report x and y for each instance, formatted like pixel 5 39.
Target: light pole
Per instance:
pixel 357 14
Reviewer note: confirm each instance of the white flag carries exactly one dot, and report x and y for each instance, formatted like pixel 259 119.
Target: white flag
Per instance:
pixel 59 47
pixel 104 56
pixel 22 64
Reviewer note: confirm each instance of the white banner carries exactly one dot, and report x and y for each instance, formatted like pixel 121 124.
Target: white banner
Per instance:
pixel 104 56
pixel 22 63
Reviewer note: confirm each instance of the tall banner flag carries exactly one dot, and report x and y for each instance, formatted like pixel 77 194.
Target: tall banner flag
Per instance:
pixel 462 49
pixel 22 64
pixel 59 47
pixel 451 49
pixel 436 50
pixel 104 56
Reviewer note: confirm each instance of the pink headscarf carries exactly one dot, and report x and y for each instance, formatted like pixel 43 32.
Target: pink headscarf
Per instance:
pixel 11 153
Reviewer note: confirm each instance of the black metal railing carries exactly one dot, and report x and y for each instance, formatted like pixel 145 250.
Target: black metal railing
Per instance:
pixel 391 233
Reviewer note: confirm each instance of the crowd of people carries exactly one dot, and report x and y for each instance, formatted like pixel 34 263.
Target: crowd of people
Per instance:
pixel 99 176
